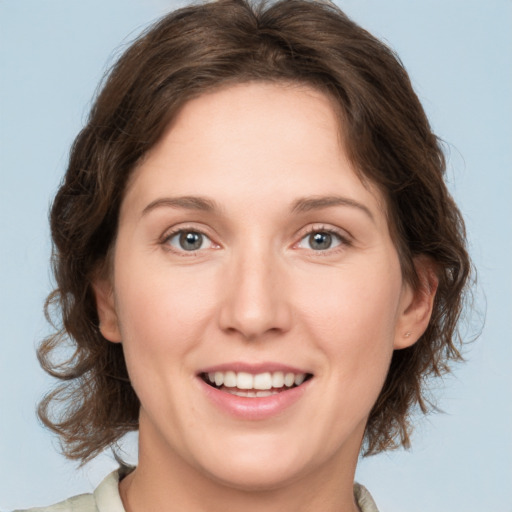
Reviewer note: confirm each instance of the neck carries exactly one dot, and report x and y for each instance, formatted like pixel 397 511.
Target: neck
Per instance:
pixel 165 482
pixel 140 493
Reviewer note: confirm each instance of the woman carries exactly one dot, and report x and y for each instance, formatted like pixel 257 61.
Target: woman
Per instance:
pixel 257 260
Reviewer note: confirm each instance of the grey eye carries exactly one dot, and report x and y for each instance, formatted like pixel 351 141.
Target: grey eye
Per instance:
pixel 320 241
pixel 189 241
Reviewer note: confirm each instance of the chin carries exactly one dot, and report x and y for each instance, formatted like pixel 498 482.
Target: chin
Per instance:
pixel 247 477
pixel 263 467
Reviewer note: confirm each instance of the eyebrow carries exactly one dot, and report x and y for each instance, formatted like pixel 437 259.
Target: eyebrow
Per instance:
pixel 308 204
pixel 185 202
pixel 302 205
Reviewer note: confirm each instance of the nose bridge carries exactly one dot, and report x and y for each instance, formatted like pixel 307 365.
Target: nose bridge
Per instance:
pixel 255 297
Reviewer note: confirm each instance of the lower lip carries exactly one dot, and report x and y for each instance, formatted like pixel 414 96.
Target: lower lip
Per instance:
pixel 254 408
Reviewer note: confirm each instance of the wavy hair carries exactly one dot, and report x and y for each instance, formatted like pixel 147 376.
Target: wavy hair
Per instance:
pixel 197 49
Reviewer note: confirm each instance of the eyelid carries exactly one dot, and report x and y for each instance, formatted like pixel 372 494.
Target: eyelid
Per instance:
pixel 180 228
pixel 344 237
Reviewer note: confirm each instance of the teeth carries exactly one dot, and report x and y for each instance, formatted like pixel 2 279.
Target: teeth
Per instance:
pixel 244 381
pixel 265 393
pixel 230 379
pixel 289 380
pixel 251 394
pixel 219 378
pixel 261 382
pixel 299 379
pixel 278 380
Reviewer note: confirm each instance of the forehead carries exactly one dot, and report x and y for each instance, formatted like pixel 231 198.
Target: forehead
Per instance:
pixel 252 141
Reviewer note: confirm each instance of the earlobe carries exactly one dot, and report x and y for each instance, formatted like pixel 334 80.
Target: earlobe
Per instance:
pixel 105 305
pixel 416 304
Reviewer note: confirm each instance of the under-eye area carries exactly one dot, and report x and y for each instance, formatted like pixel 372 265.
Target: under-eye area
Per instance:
pixel 255 385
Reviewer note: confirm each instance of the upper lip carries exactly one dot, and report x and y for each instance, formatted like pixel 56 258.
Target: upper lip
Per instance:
pixel 253 368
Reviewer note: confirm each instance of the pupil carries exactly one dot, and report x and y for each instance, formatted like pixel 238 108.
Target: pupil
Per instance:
pixel 191 241
pixel 319 241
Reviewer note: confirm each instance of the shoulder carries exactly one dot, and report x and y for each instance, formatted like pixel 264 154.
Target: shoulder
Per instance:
pixel 364 499
pixel 104 499
pixel 81 503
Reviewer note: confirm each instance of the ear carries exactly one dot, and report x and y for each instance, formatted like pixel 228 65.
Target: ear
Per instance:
pixel 416 304
pixel 105 304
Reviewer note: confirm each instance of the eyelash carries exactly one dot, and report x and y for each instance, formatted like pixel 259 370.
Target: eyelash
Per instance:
pixel 343 239
pixel 169 235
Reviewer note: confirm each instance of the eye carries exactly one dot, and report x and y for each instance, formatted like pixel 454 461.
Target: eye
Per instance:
pixel 320 240
pixel 189 240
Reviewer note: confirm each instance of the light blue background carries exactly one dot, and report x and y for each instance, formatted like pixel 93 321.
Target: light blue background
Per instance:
pixel 459 54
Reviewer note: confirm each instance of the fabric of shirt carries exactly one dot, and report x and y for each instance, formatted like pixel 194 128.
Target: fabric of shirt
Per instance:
pixel 106 498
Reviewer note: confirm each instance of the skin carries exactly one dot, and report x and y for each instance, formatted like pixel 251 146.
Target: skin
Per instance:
pixel 256 291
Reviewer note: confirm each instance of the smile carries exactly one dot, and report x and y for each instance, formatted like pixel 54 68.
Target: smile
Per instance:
pixel 258 385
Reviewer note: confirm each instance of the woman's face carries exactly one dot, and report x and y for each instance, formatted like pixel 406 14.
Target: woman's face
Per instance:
pixel 250 258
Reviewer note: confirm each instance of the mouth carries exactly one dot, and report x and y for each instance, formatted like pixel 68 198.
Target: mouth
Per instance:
pixel 258 385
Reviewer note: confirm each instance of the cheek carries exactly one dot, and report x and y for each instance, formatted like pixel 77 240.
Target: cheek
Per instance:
pixel 161 318
pixel 352 315
pixel 158 303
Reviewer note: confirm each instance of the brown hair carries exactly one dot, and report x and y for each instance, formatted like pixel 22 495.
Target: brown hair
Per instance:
pixel 197 49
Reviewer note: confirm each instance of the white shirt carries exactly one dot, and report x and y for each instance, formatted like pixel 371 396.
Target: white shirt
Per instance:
pixel 106 498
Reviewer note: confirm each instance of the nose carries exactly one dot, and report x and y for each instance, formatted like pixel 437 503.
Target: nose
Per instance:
pixel 255 301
